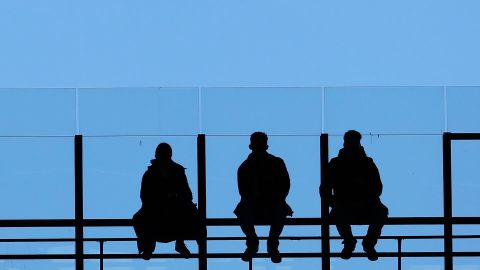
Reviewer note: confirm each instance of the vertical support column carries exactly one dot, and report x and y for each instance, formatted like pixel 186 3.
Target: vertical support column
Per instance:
pixel 79 202
pixel 202 200
pixel 324 206
pixel 447 200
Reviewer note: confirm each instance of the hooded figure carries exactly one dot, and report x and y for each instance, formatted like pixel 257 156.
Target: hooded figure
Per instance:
pixel 263 184
pixel 167 212
pixel 353 188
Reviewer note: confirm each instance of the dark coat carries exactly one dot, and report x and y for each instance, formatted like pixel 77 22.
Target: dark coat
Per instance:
pixel 263 184
pixel 167 212
pixel 163 184
pixel 352 180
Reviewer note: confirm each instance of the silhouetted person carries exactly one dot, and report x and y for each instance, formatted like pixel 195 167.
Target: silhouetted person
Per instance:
pixel 263 184
pixel 167 212
pixel 353 188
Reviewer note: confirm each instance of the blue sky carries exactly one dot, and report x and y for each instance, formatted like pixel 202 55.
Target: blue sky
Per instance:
pixel 283 45
pixel 231 43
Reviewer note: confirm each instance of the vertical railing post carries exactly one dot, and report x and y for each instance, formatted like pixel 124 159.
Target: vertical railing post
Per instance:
pixel 78 202
pixel 399 256
pixel 101 254
pixel 324 205
pixel 202 201
pixel 447 200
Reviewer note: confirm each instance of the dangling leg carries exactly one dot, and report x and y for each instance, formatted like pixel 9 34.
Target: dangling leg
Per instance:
pixel 345 231
pixel 276 229
pixel 145 243
pixel 376 223
pixel 349 243
pixel 246 224
pixel 181 248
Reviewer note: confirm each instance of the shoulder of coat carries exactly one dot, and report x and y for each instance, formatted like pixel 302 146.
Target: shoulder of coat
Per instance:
pixel 277 160
pixel 334 160
pixel 178 166
pixel 243 165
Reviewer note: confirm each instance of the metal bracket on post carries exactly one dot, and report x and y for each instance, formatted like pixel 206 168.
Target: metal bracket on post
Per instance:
pixel 202 201
pixel 324 206
pixel 447 200
pixel 79 202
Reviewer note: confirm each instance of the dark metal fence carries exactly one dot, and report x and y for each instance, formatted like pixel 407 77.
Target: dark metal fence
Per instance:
pixel 79 223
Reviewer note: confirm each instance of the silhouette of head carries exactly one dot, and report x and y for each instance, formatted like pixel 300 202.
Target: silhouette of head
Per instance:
pixel 351 140
pixel 163 152
pixel 258 142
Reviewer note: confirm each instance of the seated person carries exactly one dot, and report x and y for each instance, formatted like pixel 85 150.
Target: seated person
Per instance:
pixel 263 184
pixel 353 188
pixel 167 212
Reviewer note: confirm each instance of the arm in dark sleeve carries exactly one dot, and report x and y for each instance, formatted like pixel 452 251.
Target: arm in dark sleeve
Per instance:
pixel 326 188
pixel 145 188
pixel 242 189
pixel 285 180
pixel 185 188
pixel 377 182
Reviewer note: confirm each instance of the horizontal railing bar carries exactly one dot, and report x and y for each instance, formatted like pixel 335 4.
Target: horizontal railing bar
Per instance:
pixel 28 240
pixel 318 221
pixel 37 223
pixel 464 136
pixel 299 221
pixel 386 237
pixel 138 135
pixel 226 238
pixel 288 255
pixel 227 255
pixel 35 136
pixel 453 136
pixel 229 222
pixel 37 256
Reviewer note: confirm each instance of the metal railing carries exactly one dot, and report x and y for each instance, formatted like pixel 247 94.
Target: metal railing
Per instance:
pixel 79 223
pixel 101 256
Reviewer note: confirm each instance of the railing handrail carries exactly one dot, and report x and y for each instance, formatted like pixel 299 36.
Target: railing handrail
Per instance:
pixel 403 254
pixel 229 222
pixel 239 238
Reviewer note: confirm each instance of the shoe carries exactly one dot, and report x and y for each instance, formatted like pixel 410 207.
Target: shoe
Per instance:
pixel 371 252
pixel 275 255
pixel 249 253
pixel 348 248
pixel 182 249
pixel 146 249
pixel 146 255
